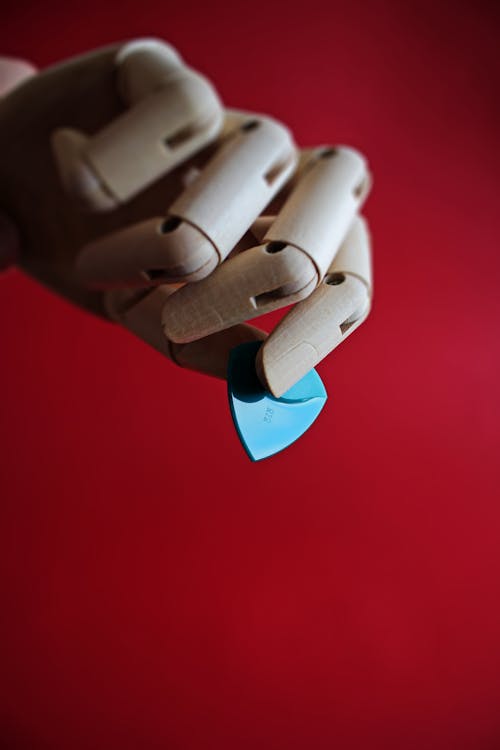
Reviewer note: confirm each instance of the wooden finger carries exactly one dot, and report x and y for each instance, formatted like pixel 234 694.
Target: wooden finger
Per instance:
pixel 257 281
pixel 315 326
pixel 255 160
pixel 173 112
pixel 150 252
pixel 333 185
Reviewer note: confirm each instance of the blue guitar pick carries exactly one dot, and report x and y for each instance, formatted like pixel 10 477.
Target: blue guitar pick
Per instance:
pixel 265 424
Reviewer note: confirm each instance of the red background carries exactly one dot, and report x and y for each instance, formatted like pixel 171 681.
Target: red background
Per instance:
pixel 160 591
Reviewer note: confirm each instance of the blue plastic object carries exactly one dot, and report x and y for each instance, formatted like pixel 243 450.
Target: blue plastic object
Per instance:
pixel 265 424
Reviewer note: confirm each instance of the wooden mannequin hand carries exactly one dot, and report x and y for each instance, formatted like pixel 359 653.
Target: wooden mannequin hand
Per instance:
pixel 125 178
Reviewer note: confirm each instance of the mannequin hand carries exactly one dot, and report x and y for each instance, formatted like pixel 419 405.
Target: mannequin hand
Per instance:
pixel 125 178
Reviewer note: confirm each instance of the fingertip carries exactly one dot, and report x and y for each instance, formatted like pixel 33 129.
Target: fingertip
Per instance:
pixel 141 64
pixel 279 368
pixel 13 72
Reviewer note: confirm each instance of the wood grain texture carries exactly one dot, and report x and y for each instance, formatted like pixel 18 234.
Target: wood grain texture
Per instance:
pixel 318 324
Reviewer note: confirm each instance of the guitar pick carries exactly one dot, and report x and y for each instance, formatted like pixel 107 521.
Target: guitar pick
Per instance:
pixel 266 424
